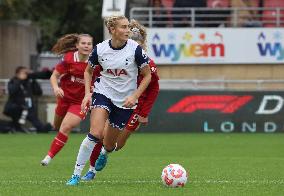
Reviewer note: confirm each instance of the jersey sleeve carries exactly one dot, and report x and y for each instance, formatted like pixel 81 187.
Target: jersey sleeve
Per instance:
pixel 96 75
pixel 141 58
pixel 153 69
pixel 61 67
pixel 97 71
pixel 93 58
pixel 148 98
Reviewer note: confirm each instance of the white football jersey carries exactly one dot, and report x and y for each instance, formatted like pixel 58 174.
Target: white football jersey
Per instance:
pixel 120 67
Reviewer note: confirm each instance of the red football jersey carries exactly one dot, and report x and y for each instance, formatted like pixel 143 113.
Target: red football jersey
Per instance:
pixel 72 79
pixel 149 96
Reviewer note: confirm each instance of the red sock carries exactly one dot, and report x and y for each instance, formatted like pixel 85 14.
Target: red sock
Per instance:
pixel 95 154
pixel 57 144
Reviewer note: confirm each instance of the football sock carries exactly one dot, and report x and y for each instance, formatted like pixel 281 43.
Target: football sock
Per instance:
pixel 105 151
pixel 92 169
pixel 95 154
pixel 84 153
pixel 46 160
pixel 57 144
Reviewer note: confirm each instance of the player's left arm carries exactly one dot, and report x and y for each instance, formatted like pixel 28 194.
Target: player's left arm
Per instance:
pixel 142 60
pixel 149 97
pixel 131 100
pixel 146 73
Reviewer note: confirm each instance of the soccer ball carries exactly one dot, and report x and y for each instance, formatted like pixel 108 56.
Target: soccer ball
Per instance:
pixel 174 175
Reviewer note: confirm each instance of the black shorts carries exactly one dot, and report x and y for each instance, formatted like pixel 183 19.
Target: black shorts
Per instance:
pixel 118 117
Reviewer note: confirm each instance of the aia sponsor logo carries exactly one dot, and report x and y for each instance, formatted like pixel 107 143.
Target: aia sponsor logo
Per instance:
pixel 223 103
pixel 117 72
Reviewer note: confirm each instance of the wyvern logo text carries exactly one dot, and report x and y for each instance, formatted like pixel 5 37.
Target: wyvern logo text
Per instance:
pixel 189 46
pixel 271 47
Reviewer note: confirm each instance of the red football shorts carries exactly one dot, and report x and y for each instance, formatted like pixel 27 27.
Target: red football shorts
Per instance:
pixel 133 122
pixel 63 107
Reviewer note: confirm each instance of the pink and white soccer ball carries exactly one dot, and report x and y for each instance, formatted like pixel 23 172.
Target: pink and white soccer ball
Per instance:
pixel 174 175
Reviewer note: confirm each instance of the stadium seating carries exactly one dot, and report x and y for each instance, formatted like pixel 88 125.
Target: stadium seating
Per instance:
pixel 168 3
pixel 273 3
pixel 269 16
pixel 218 3
pixel 165 3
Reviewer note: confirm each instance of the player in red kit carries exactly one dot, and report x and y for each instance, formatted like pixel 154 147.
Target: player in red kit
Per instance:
pixel 145 102
pixel 71 91
pixel 149 96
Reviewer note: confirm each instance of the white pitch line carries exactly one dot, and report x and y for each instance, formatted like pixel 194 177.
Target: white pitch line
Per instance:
pixel 97 181
pixel 149 181
pixel 242 181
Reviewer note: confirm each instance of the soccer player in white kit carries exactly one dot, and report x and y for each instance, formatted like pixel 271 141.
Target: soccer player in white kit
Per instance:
pixel 116 93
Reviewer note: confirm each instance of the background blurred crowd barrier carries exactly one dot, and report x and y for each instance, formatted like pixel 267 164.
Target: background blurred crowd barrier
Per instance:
pixel 209 17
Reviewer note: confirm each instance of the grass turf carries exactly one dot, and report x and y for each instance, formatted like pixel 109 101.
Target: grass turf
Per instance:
pixel 218 164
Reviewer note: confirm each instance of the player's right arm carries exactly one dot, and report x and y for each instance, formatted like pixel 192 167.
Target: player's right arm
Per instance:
pixel 88 74
pixel 54 83
pixel 87 79
pixel 60 69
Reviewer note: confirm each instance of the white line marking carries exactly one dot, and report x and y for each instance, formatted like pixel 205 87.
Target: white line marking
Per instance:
pixel 148 181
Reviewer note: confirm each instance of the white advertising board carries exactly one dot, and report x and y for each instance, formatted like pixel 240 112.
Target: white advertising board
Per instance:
pixel 216 46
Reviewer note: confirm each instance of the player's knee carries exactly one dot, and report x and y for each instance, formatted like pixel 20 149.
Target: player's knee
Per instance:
pixel 66 128
pixel 97 134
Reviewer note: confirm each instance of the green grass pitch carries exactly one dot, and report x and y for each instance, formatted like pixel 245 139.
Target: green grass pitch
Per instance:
pixel 218 164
